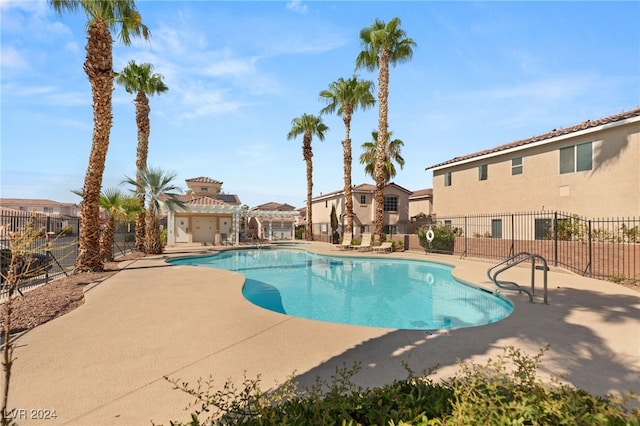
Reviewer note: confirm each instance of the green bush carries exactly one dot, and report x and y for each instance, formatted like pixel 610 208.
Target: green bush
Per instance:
pixel 504 391
pixel 443 238
pixel 66 231
pixel 163 238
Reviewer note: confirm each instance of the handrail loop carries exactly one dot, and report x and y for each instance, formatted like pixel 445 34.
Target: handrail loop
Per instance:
pixel 514 260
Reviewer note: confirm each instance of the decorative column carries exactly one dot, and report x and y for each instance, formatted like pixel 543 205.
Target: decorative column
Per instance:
pixel 234 228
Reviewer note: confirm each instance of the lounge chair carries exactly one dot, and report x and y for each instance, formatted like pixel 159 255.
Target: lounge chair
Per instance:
pixel 387 246
pixel 346 242
pixel 365 244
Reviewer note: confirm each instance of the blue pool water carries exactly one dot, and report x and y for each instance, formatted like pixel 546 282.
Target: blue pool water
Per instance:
pixel 377 292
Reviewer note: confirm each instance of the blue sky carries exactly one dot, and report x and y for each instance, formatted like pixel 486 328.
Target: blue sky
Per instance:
pixel 483 74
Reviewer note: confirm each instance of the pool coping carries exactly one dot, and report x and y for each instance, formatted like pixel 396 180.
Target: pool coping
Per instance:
pixel 105 362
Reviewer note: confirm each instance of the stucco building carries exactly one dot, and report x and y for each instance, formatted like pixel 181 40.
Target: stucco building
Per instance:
pixel 591 169
pixel 395 210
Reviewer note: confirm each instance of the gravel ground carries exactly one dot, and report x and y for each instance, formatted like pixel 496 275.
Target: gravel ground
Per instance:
pixel 56 298
pixel 65 294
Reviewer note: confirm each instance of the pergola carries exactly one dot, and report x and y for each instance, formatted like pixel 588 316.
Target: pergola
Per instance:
pixel 237 212
pixel 271 216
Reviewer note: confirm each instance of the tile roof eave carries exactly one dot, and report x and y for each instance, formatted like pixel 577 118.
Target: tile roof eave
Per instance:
pixel 589 126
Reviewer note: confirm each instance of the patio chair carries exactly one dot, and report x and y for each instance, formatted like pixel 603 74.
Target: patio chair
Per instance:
pixel 346 242
pixel 387 246
pixel 365 244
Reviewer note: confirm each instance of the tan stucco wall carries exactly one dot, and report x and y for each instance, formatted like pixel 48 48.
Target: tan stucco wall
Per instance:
pixel 611 188
pixel 364 214
pixel 423 205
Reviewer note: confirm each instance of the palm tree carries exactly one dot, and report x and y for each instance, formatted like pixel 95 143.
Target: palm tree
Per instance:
pixel 103 16
pixel 391 154
pixel 308 125
pixel 116 206
pixel 345 97
pixel 383 44
pixel 159 194
pixel 139 79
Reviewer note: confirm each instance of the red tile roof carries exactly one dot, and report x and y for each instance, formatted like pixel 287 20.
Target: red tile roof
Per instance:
pixel 553 133
pixel 204 200
pixel 203 179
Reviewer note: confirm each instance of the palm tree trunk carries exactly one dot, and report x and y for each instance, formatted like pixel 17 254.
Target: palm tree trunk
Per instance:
pixel 107 238
pixel 99 69
pixel 153 244
pixel 383 97
pixel 348 193
pixel 144 130
pixel 307 153
pixel 348 160
pixel 141 223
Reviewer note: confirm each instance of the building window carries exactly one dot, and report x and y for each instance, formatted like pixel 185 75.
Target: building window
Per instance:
pixel 363 199
pixel 326 204
pixel 390 229
pixel 447 223
pixel 447 179
pixel 390 204
pixel 496 228
pixel 483 171
pixel 516 166
pixel 363 229
pixel 543 229
pixel 576 158
pixel 204 189
pixel 48 209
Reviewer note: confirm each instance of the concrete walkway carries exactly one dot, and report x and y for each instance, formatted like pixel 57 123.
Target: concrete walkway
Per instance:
pixel 105 362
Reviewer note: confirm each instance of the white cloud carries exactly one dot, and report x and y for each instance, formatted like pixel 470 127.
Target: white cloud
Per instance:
pixel 232 67
pixel 297 6
pixel 10 57
pixel 201 102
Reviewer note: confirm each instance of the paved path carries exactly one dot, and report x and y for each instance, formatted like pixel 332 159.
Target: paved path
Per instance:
pixel 105 362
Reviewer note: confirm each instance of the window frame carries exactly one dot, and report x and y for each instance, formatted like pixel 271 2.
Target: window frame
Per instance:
pixel 575 158
pixel 483 172
pixel 447 179
pixel 389 202
pixel 517 169
pixel 496 228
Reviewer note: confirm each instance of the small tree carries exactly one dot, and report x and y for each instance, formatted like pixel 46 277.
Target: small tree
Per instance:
pixel 160 193
pixel 20 246
pixel 334 223
pixel 116 206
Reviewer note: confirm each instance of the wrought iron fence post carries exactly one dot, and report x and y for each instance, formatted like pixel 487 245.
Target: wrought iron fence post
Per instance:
pixel 465 235
pixel 555 238
pixel 512 252
pixel 590 252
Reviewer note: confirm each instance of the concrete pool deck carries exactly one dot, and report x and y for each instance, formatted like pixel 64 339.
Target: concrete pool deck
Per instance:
pixel 105 362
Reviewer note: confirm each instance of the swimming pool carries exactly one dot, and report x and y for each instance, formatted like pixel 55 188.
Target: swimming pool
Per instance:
pixel 368 291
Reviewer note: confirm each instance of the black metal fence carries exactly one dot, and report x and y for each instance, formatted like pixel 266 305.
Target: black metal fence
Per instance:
pixel 606 248
pixel 51 246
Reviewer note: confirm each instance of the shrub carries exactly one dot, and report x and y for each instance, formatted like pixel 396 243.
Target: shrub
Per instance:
pixel 443 238
pixel 504 391
pixel 66 231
